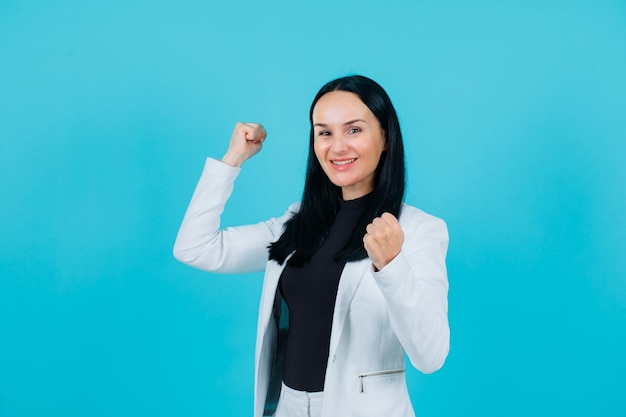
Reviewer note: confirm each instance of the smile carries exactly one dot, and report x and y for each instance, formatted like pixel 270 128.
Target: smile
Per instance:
pixel 344 162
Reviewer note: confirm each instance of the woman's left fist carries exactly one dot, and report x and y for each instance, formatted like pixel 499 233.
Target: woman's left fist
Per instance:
pixel 383 240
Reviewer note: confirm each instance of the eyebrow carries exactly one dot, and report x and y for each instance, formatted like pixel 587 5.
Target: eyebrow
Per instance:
pixel 346 123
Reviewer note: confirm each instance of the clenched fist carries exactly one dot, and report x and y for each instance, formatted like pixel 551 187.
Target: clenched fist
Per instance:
pixel 245 142
pixel 383 240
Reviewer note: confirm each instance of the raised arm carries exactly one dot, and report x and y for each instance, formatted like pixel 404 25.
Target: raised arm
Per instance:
pixel 200 241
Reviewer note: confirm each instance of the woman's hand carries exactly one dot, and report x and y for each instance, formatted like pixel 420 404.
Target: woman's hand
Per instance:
pixel 245 142
pixel 383 240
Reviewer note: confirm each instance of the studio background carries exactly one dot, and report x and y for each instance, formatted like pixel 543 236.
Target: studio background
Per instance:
pixel 513 113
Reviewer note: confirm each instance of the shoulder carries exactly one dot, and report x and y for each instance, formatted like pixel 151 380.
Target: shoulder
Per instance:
pixel 412 218
pixel 411 214
pixel 291 211
pixel 293 208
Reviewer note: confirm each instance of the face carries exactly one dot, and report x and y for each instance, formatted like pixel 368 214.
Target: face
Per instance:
pixel 348 142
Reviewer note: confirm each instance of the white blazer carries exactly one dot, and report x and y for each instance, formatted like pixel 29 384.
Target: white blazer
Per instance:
pixel 378 316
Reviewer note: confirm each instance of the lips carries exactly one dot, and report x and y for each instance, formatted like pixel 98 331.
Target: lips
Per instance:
pixel 342 162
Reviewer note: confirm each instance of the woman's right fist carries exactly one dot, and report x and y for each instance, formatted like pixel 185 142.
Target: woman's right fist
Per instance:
pixel 245 142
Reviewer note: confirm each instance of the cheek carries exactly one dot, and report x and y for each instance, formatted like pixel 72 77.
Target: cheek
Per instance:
pixel 381 147
pixel 319 151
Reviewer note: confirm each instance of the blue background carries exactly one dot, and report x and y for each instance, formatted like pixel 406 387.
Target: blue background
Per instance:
pixel 514 119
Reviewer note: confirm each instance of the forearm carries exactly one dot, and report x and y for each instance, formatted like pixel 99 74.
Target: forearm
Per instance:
pixel 415 287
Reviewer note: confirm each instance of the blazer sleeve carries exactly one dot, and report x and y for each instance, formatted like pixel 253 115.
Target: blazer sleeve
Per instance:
pixel 200 241
pixel 415 286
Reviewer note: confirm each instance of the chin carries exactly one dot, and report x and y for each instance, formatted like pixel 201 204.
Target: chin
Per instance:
pixel 340 184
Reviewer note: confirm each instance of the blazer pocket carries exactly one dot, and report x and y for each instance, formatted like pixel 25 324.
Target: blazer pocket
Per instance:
pixel 370 378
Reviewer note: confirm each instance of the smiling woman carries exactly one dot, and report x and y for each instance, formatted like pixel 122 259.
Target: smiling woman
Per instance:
pixel 348 142
pixel 358 277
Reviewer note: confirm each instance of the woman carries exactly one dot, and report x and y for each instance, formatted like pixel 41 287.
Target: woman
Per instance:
pixel 354 278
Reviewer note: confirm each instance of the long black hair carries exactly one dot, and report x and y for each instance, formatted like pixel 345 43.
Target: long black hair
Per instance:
pixel 305 231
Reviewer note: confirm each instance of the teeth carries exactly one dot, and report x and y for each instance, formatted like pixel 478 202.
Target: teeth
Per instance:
pixel 349 161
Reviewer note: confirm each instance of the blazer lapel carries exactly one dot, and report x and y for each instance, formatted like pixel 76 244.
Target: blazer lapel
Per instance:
pixel 270 285
pixel 349 282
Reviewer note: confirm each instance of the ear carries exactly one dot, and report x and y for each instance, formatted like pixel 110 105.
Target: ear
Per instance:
pixel 386 148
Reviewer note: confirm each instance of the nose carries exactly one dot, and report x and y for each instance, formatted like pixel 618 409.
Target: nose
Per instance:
pixel 339 145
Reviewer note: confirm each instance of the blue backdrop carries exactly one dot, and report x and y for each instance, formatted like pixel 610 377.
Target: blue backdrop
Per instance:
pixel 514 119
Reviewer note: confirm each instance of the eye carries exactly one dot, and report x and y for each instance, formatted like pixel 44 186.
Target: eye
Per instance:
pixel 323 133
pixel 353 130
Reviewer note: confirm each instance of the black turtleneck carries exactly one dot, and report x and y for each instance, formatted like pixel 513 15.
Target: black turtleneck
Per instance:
pixel 310 292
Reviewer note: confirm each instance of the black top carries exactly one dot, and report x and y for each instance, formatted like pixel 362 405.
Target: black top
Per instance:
pixel 310 292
